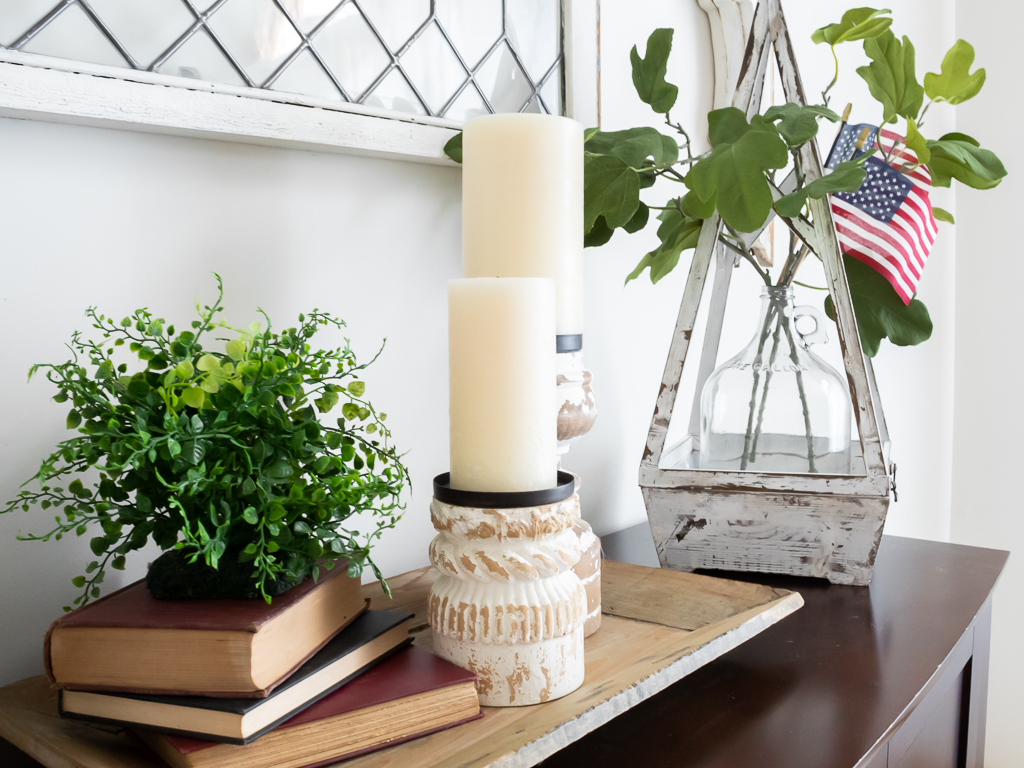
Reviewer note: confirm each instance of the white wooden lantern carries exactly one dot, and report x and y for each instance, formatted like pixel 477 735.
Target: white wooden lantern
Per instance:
pixel 804 524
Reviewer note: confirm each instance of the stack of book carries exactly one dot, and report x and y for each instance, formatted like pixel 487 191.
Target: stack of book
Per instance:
pixel 312 678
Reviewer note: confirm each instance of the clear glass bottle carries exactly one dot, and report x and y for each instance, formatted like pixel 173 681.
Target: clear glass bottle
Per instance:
pixel 776 406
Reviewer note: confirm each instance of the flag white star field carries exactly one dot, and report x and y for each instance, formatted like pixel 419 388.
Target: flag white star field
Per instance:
pixel 887 223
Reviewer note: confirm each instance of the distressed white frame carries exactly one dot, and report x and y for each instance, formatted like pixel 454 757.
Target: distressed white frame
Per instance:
pixel 56 90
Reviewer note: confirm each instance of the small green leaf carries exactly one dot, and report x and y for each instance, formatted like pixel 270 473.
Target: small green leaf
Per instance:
pixel 249 515
pixel 891 76
pixel 98 545
pixel 277 511
pixel 599 234
pixel 649 72
pixel 798 123
pixel 78 581
pixel 193 397
pixel 634 146
pixel 958 156
pixel 941 214
pixel 279 470
pixel 610 189
pixel 957 83
pixel 327 401
pixel 235 349
pixel 350 411
pixel 916 143
pixel 453 147
pixel 856 24
pixel 74 419
pixel 357 388
pixel 880 311
pixel 847 177
pixel 677 233
pixel 210 385
pixel 639 220
pixel 174 447
pixel 208 363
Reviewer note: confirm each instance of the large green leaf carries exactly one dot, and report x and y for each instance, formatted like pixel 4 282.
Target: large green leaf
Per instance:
pixel 733 175
pixel 453 147
pixel 649 72
pixel 891 76
pixel 956 84
pixel 916 143
pixel 634 146
pixel 798 123
pixel 856 24
pixel 599 234
pixel 677 234
pixel 880 311
pixel 847 177
pixel 610 189
pixel 958 156
pixel 639 220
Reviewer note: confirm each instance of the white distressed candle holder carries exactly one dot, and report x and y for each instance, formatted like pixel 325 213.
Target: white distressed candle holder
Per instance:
pixel 506 603
pixel 577 408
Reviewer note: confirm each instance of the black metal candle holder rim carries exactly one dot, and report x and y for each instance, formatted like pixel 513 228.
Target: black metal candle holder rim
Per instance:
pixel 444 492
pixel 568 342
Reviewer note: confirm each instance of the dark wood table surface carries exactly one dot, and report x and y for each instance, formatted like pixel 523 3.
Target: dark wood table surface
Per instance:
pixel 891 674
pixel 860 676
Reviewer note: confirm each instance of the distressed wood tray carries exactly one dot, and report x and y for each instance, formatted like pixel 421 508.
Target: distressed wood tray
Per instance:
pixel 658 626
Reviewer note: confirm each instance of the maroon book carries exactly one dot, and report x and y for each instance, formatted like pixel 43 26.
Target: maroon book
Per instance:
pixel 412 694
pixel 130 642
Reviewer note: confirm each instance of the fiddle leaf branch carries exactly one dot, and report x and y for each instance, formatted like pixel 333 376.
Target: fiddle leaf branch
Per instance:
pixel 735 178
pixel 214 445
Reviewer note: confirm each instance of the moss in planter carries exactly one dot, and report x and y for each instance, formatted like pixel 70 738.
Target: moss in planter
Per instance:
pixel 173 577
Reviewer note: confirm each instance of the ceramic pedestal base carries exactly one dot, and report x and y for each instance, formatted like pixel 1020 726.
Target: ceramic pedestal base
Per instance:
pixel 517 675
pixel 506 603
pixel 589 571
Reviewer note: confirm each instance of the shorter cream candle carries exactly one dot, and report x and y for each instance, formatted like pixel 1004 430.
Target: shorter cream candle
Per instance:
pixel 501 355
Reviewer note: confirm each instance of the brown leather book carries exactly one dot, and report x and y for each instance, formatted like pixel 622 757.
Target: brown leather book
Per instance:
pixel 129 642
pixel 412 694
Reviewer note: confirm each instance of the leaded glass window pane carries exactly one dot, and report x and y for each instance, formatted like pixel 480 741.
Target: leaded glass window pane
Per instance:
pixel 443 58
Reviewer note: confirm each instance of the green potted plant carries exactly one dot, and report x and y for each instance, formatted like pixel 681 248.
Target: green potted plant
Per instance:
pixel 216 448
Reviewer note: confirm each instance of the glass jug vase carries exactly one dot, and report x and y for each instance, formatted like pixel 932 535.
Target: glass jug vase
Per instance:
pixel 776 406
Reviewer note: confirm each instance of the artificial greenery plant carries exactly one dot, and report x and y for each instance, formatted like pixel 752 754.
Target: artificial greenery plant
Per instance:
pixel 215 447
pixel 737 177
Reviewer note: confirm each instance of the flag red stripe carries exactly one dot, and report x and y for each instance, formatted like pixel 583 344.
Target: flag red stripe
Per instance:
pixel 900 254
pixel 921 205
pixel 903 223
pixel 873 263
pixel 915 223
pixel 896 264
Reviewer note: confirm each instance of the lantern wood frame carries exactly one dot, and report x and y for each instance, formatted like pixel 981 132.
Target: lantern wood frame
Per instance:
pixel 805 524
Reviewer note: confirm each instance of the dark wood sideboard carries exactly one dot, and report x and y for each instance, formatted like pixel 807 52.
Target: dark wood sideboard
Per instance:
pixel 895 674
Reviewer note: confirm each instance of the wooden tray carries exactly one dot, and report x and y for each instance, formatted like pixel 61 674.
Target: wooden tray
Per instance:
pixel 658 626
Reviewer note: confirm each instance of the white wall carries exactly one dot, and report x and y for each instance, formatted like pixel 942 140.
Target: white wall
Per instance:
pixel 989 415
pixel 123 220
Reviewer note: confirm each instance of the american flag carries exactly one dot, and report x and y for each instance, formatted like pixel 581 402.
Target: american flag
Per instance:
pixel 888 222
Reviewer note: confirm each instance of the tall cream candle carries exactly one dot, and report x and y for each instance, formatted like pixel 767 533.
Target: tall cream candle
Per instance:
pixel 522 204
pixel 501 357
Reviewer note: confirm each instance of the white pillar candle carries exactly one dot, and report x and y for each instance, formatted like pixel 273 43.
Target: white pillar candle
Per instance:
pixel 522 204
pixel 501 357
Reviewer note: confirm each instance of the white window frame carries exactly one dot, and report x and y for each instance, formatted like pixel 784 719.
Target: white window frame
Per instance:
pixel 49 89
